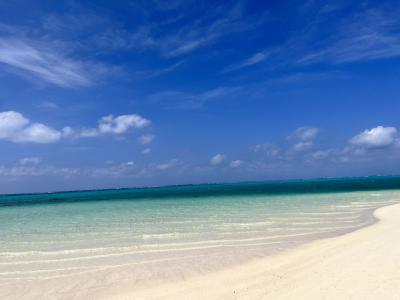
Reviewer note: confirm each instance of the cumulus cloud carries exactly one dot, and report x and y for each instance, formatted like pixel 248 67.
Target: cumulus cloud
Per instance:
pixel 322 154
pixel 235 163
pixel 16 128
pixel 113 125
pixel 167 165
pixel 86 132
pixel 111 169
pixel 146 139
pixel 32 170
pixel 266 148
pixel 38 133
pixel 11 122
pixel 67 131
pixel 146 151
pixel 359 145
pixel 378 137
pixel 217 159
pixel 121 124
pixel 305 137
pixel 305 133
pixel 30 160
pixel 301 146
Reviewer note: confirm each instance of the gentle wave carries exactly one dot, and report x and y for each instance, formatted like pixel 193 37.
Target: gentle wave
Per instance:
pixel 173 237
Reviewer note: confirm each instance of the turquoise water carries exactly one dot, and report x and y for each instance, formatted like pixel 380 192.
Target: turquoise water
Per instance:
pixel 155 233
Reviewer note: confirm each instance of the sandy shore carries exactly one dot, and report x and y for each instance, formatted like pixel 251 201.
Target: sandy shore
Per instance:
pixel 364 264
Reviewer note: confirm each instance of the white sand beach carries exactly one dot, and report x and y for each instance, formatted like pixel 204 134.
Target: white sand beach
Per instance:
pixel 364 264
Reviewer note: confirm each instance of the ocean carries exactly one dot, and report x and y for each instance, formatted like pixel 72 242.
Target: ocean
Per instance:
pixel 168 233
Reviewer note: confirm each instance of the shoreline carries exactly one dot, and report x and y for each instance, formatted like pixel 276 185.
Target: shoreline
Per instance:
pixel 362 264
pixel 260 277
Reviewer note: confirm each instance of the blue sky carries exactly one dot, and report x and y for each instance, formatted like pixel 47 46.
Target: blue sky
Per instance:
pixel 95 94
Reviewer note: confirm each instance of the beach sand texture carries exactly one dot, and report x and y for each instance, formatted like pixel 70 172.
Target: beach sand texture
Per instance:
pixel 364 264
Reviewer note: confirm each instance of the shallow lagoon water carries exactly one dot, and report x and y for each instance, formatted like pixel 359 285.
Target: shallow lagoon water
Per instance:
pixel 174 232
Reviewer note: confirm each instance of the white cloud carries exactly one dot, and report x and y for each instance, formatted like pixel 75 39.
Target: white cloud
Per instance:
pixel 217 159
pixel 146 151
pixel 16 128
pixel 167 165
pixel 253 60
pixel 369 35
pixel 121 124
pixel 108 125
pixel 155 73
pixel 200 33
pixel 111 169
pixel 88 132
pixel 205 30
pixel 322 154
pixel 48 105
pixel 146 139
pixel 30 170
pixel 305 133
pixel 267 148
pixel 187 100
pixel 358 146
pixel 67 132
pixel 305 136
pixel 10 123
pixel 30 161
pixel 378 137
pixel 43 62
pixel 235 163
pixel 37 133
pixel 301 146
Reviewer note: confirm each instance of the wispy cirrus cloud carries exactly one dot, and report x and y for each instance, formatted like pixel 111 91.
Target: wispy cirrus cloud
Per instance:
pixel 148 74
pixel 171 41
pixel 194 100
pixel 204 31
pixel 354 37
pixel 256 58
pixel 43 62
pixel 369 35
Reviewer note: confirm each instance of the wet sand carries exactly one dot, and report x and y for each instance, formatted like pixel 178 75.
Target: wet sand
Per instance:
pixel 364 264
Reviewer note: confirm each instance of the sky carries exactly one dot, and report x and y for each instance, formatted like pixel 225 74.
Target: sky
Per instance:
pixel 109 94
